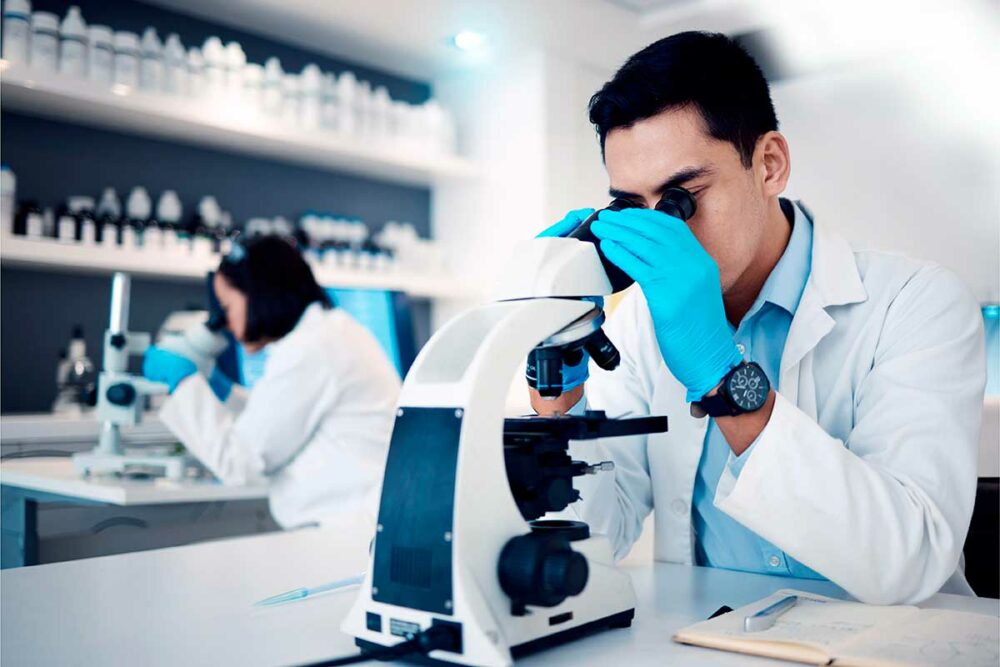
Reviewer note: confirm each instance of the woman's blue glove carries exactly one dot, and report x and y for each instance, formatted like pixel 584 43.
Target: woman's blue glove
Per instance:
pixel 161 365
pixel 681 284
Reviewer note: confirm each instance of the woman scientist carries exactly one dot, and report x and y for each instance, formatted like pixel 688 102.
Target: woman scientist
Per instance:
pixel 315 426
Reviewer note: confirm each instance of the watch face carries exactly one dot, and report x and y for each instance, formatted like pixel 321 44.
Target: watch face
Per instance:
pixel 748 387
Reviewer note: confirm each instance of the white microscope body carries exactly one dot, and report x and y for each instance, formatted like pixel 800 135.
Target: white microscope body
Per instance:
pixel 120 399
pixel 448 512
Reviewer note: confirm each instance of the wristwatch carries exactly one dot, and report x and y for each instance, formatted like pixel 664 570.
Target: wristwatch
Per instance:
pixel 744 389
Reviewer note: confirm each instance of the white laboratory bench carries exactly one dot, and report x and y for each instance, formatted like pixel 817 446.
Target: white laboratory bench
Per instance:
pixel 193 605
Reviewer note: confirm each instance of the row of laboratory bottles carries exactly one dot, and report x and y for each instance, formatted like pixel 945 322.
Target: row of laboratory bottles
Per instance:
pixel 311 99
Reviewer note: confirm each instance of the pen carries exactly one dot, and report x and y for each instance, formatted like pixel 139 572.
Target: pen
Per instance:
pixel 765 618
pixel 301 593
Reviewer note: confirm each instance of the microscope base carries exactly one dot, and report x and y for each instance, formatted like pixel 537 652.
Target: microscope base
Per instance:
pixel 615 621
pixel 172 466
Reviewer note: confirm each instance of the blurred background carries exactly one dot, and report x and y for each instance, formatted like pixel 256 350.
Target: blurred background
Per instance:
pixel 412 142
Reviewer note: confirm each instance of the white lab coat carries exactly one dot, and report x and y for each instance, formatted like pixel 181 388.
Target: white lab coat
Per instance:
pixel 315 426
pixel 866 471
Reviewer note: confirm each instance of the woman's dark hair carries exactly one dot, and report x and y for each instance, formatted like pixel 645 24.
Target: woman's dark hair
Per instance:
pixel 277 282
pixel 707 71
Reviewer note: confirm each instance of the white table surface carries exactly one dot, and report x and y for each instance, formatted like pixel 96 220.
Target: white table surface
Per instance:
pixel 192 605
pixel 58 476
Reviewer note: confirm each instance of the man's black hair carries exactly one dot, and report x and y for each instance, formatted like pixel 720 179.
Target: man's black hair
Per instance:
pixel 277 282
pixel 706 71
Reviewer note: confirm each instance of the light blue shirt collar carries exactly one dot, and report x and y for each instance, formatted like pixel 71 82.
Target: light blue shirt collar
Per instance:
pixel 787 281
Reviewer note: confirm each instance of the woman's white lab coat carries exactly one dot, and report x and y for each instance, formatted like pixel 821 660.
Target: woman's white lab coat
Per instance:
pixel 866 471
pixel 315 426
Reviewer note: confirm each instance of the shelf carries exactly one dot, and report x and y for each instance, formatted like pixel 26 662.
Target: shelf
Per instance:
pixel 75 258
pixel 202 123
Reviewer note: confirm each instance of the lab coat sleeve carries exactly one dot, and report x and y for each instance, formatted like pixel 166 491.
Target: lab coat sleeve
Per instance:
pixel 279 418
pixel 616 503
pixel 884 515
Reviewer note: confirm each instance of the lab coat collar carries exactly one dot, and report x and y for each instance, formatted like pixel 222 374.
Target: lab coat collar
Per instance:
pixel 833 281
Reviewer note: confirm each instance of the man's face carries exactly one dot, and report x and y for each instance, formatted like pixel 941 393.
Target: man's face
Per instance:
pixel 674 148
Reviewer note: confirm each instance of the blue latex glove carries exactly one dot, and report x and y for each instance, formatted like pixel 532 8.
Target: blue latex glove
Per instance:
pixel 681 284
pixel 569 222
pixel 221 385
pixel 161 365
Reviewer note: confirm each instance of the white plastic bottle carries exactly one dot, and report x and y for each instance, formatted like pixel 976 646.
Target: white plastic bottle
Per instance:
pixel 44 41
pixel 328 102
pixel 16 30
pixel 195 73
pixel 126 59
pixel 271 92
pixel 380 112
pixel 253 80
pixel 235 61
pixel 168 213
pixel 347 88
pixel 66 228
pixel 73 44
pixel 100 54
pixel 138 210
pixel 8 199
pixel 151 65
pixel 215 66
pixel 363 110
pixel 310 82
pixel 108 213
pixel 83 209
pixel 174 66
pixel 291 99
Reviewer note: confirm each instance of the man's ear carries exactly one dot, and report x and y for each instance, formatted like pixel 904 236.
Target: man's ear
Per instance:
pixel 773 163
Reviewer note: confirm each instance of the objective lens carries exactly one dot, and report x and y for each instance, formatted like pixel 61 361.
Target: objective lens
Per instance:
pixel 548 371
pixel 602 350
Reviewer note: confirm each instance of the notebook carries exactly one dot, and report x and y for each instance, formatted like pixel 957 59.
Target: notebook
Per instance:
pixel 824 631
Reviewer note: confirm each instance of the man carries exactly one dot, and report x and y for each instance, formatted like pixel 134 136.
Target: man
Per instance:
pixel 844 388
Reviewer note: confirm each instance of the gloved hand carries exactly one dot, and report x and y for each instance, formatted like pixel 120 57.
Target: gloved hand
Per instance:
pixel 569 222
pixel 221 385
pixel 681 284
pixel 161 365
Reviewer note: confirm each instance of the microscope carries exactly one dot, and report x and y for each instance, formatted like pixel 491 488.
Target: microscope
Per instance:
pixel 461 548
pixel 121 397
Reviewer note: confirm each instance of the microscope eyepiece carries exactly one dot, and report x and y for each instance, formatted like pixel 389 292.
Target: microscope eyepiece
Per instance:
pixel 677 202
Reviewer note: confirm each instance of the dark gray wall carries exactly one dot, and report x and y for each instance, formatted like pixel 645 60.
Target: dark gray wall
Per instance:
pixel 53 160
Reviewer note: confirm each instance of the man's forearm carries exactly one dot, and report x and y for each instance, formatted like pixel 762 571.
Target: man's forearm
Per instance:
pixel 742 430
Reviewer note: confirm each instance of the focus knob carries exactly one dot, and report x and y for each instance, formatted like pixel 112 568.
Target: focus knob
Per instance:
pixel 121 393
pixel 541 570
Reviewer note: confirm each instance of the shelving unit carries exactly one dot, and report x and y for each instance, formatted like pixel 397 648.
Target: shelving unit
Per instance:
pixel 203 123
pixel 75 258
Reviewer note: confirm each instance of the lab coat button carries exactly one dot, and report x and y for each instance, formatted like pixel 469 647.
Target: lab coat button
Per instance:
pixel 774 561
pixel 741 347
pixel 678 506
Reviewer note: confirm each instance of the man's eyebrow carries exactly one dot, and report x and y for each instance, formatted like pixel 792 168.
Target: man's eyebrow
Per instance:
pixel 677 180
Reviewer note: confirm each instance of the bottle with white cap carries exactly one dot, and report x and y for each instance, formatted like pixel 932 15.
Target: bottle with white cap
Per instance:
pixel 363 110
pixel 100 54
pixel 195 72
pixel 151 65
pixel 65 225
pixel 235 61
pixel 168 213
pixel 16 30
pixel 126 59
pixel 73 44
pixel 44 41
pixel 347 88
pixel 82 209
pixel 310 83
pixel 271 92
pixel 380 112
pixel 291 99
pixel 253 80
pixel 108 214
pixel 328 102
pixel 215 66
pixel 138 208
pixel 207 218
pixel 174 66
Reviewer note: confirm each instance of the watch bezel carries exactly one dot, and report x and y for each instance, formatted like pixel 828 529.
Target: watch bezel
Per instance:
pixel 728 392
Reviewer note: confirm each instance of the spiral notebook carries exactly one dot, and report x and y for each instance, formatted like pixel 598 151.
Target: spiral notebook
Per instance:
pixel 824 631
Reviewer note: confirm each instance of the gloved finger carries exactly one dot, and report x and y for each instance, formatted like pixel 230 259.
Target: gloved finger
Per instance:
pixel 569 222
pixel 621 257
pixel 653 224
pixel 650 251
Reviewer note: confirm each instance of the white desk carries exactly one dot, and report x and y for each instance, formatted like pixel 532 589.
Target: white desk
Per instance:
pixel 192 605
pixel 27 482
pixel 58 476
